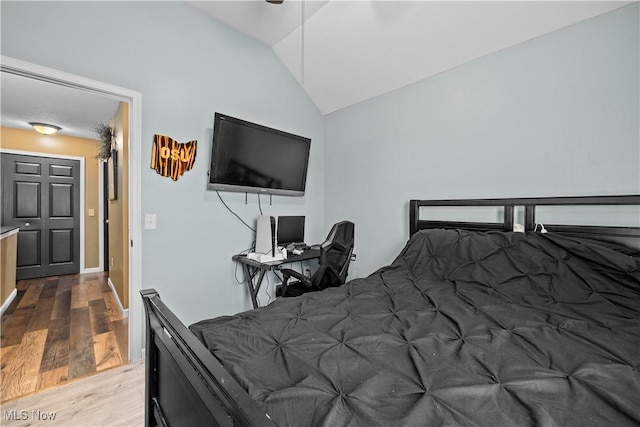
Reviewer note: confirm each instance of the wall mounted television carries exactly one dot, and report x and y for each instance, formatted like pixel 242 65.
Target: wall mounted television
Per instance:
pixel 248 157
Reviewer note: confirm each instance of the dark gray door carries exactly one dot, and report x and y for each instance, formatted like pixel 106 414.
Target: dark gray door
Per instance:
pixel 41 195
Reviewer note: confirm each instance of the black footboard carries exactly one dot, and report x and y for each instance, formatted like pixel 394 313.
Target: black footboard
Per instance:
pixel 185 384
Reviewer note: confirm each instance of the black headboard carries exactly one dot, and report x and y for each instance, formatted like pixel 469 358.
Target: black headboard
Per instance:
pixel 627 236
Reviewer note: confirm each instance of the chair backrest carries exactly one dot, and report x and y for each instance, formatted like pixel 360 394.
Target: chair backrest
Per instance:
pixel 335 256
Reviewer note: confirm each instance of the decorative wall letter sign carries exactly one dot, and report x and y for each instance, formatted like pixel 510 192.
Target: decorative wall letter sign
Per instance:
pixel 171 158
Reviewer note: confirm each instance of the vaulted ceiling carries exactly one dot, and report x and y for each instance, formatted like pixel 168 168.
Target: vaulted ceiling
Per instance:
pixel 350 51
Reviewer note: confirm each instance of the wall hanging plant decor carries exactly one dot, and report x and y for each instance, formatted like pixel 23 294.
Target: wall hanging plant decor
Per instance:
pixel 170 158
pixel 106 140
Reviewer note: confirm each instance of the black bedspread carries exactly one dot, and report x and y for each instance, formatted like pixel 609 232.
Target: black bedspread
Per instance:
pixel 471 329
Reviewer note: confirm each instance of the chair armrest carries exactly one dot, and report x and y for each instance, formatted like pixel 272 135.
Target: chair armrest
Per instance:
pixel 302 279
pixel 292 273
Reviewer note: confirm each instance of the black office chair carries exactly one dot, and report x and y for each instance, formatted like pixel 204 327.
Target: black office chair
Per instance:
pixel 335 255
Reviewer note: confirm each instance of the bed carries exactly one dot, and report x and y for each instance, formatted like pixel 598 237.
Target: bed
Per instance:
pixel 471 324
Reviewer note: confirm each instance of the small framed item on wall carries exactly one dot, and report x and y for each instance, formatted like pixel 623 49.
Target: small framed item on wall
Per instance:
pixel 112 171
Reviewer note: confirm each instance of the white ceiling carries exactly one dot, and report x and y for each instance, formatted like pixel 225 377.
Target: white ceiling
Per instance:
pixel 353 50
pixel 356 50
pixel 76 111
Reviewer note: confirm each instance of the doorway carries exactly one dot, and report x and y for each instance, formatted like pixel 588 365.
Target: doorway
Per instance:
pixel 79 314
pixel 133 98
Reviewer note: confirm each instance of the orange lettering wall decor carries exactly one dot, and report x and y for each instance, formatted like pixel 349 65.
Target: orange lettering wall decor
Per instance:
pixel 171 158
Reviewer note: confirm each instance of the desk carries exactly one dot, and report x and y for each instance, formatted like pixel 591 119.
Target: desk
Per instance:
pixel 252 268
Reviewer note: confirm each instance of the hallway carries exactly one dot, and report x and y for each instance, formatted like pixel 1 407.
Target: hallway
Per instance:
pixel 58 329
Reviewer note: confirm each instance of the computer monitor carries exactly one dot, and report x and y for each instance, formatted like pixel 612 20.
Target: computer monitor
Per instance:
pixel 290 230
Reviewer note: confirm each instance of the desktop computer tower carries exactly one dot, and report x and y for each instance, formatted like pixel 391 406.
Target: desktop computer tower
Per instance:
pixel 266 235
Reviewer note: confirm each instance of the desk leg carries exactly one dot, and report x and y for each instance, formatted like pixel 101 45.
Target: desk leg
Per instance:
pixel 253 284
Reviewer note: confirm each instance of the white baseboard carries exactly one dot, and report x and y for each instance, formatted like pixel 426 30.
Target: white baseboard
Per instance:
pixel 123 312
pixel 91 270
pixel 9 300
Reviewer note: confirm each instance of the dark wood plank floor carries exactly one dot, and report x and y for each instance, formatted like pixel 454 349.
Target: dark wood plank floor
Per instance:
pixel 57 329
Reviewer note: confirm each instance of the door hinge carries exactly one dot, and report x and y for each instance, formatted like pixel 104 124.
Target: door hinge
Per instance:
pixel 131 243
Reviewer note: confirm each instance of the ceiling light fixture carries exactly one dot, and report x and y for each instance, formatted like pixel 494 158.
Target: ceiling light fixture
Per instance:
pixel 44 128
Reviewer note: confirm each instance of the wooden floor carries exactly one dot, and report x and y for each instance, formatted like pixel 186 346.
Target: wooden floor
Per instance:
pixel 115 398
pixel 59 329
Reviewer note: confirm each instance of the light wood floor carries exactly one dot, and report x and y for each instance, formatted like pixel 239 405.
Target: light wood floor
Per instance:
pixel 111 399
pixel 59 329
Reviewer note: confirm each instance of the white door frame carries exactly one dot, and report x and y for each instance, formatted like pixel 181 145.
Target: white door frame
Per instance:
pixel 134 98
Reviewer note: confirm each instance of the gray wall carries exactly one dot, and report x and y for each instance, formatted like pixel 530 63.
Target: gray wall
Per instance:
pixel 187 67
pixel 555 116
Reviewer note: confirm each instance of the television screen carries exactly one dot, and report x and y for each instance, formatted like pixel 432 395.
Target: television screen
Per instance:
pixel 248 157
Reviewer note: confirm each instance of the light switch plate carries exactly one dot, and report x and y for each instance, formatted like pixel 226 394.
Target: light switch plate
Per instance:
pixel 150 221
pixel 92 212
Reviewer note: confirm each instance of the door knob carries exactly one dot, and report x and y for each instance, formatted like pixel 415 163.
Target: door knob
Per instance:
pixel 26 224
